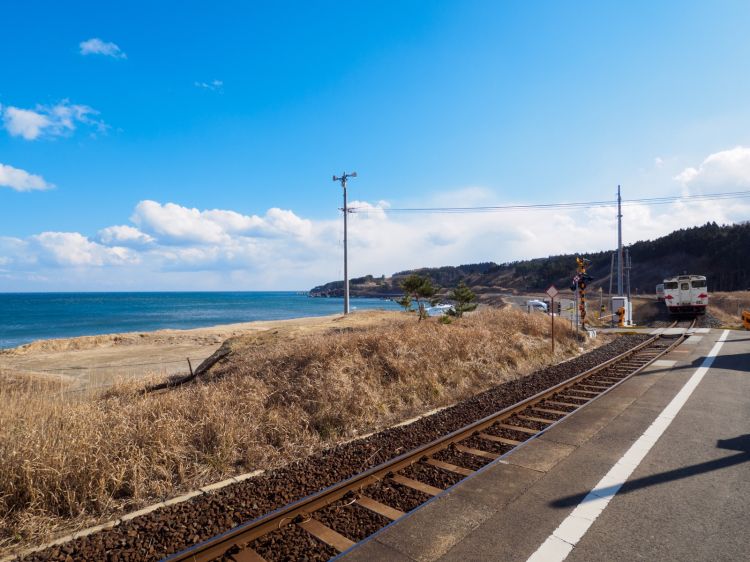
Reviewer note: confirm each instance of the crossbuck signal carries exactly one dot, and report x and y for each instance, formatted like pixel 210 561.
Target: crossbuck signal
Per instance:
pixel 580 282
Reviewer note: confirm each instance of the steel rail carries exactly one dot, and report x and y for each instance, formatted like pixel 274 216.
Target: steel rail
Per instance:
pixel 241 536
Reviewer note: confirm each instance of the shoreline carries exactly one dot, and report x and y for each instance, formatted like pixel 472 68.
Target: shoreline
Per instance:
pixel 96 361
pixel 29 318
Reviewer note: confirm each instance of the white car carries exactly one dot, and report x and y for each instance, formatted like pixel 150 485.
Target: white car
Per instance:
pixel 536 304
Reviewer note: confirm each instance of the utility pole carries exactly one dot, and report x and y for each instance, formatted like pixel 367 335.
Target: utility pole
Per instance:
pixel 619 243
pixel 343 179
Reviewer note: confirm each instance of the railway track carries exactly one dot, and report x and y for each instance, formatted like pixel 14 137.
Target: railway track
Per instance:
pixel 688 323
pixel 334 519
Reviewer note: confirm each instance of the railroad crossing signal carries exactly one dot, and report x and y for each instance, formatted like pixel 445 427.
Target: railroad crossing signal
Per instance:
pixel 579 283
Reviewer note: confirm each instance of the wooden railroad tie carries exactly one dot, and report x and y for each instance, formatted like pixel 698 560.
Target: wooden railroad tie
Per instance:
pixel 416 485
pixel 449 467
pixel 247 555
pixel 518 428
pixel 535 419
pixel 380 508
pixel 476 452
pixel 326 534
pixel 549 411
pixel 497 439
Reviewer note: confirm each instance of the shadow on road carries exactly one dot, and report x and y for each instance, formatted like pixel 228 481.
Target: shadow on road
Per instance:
pixel 741 443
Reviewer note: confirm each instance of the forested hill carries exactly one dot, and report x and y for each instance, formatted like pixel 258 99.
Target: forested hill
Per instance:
pixel 722 253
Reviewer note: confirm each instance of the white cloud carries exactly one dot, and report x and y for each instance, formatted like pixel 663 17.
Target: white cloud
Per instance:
pixel 72 249
pixel 96 46
pixel 212 85
pixel 658 161
pixel 51 121
pixel 724 169
pixel 279 222
pixel 171 246
pixel 21 180
pixel 175 224
pixel 24 122
pixel 124 235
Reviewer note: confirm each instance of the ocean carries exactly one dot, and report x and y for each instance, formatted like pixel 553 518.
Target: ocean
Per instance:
pixel 25 317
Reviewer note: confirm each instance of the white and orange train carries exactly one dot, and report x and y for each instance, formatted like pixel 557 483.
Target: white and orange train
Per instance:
pixel 686 294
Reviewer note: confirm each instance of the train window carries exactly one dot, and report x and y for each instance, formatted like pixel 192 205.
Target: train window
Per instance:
pixel 684 286
pixel 699 283
pixel 670 285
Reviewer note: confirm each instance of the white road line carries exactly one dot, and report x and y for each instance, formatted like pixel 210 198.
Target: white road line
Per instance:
pixel 560 543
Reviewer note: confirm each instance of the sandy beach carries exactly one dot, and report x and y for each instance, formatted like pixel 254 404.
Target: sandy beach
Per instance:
pixel 90 362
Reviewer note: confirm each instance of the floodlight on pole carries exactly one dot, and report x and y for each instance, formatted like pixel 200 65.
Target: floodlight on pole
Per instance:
pixel 343 179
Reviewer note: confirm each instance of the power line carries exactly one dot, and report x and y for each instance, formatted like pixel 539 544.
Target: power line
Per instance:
pixel 557 206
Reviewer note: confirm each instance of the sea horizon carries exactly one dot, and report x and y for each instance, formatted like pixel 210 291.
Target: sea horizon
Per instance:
pixel 31 316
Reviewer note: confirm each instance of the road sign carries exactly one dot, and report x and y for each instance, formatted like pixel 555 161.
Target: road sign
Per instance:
pixel 552 291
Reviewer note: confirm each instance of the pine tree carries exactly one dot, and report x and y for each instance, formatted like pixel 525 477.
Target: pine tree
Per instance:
pixel 419 288
pixel 464 299
pixel 405 301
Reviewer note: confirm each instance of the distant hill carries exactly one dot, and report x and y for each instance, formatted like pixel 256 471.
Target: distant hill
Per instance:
pixel 722 253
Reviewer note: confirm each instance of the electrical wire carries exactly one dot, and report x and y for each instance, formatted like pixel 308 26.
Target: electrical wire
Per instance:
pixel 557 206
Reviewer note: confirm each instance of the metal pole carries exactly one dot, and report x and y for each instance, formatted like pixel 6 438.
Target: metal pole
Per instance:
pixel 619 243
pixel 552 305
pixel 627 266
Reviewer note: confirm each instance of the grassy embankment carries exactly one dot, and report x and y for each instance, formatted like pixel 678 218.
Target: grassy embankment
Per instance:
pixel 728 307
pixel 67 463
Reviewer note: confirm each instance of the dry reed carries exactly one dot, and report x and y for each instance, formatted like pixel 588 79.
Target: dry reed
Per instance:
pixel 71 462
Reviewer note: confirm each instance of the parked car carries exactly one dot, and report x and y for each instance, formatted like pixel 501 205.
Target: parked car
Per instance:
pixel 535 304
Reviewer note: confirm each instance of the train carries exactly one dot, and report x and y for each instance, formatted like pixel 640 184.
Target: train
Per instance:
pixel 686 294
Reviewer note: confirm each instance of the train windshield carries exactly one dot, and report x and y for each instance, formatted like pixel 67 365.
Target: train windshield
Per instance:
pixel 684 286
pixel 699 283
pixel 670 285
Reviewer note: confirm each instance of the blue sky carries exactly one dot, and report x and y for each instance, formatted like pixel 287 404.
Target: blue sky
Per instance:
pixel 242 107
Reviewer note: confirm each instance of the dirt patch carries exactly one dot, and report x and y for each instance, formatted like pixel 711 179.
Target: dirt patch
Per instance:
pixel 92 362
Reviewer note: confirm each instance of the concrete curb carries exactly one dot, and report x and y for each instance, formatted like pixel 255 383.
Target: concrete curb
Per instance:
pixel 133 514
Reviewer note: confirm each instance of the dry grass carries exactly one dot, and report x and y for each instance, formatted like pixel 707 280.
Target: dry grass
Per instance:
pixel 728 307
pixel 67 462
